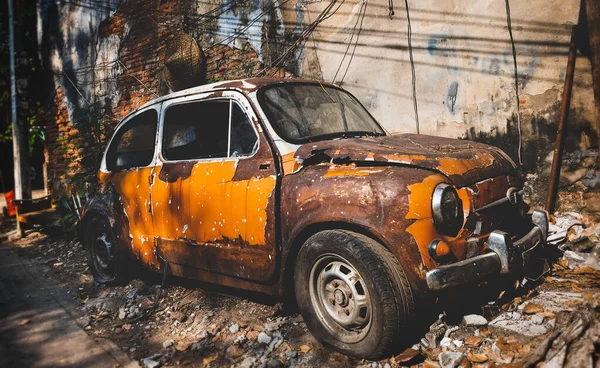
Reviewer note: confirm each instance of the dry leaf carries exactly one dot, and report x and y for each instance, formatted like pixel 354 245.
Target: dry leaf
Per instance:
pixel 210 359
pixel 532 308
pixel 407 355
pixel 587 296
pixel 430 364
pixel 485 332
pixel 546 314
pixel 581 270
pixel 473 340
pixel 576 288
pixel 304 349
pixel 477 358
pixel 24 322
pixel 523 351
pixel 563 262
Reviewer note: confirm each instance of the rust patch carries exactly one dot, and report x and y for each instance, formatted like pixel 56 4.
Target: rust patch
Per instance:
pixel 170 172
pixel 462 161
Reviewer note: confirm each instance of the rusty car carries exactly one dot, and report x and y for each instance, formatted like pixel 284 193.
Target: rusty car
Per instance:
pixel 291 188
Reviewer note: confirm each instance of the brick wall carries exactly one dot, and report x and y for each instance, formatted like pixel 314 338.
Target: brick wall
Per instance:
pixel 62 143
pixel 144 27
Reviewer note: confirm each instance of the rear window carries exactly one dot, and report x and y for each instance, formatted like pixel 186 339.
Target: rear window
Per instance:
pixel 134 143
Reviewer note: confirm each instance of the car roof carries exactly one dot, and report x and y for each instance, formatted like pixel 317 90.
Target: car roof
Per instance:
pixel 244 85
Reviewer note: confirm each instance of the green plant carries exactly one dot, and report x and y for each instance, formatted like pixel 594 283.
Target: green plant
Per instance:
pixel 94 127
pixel 69 216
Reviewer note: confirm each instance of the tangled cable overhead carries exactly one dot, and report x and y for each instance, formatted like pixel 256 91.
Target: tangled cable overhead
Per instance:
pixel 361 17
pixel 324 15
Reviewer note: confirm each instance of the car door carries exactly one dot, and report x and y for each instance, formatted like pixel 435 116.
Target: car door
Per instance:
pixel 213 197
pixel 131 160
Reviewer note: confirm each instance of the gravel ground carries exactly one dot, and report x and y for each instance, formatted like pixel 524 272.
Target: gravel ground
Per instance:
pixel 553 320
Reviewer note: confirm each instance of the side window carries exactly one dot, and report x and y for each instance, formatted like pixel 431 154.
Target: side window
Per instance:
pixel 133 144
pixel 198 130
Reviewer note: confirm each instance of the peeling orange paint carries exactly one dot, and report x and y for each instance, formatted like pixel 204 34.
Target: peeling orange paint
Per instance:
pixel 290 163
pixel 103 177
pixel 209 207
pixel 454 166
pixel 405 159
pixel 133 187
pixel 423 229
pixel 419 204
pixel 350 170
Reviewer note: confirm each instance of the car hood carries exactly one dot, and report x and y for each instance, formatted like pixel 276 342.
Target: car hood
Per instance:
pixel 463 162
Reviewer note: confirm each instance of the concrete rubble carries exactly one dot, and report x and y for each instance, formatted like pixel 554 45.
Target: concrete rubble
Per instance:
pixel 552 321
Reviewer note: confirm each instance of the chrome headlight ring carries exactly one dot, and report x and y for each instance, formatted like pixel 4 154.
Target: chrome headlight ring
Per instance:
pixel 446 209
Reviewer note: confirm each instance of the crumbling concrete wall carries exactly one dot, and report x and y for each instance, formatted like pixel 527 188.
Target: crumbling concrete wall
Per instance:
pixel 463 61
pixel 117 54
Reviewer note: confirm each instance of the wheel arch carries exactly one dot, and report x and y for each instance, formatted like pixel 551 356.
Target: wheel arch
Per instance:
pixel 303 235
pixel 95 208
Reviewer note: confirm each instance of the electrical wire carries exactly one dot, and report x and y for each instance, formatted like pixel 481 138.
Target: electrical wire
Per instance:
pixel 514 52
pixel 249 24
pixel 324 15
pixel 355 43
pixel 412 63
pixel 358 19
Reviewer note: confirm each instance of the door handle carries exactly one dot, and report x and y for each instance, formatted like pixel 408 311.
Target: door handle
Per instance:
pixel 264 166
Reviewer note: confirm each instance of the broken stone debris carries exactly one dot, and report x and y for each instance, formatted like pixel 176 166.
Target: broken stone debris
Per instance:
pixel 474 320
pixel 217 330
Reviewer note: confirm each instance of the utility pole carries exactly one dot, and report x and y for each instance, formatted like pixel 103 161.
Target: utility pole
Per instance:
pixel 21 186
pixel 592 9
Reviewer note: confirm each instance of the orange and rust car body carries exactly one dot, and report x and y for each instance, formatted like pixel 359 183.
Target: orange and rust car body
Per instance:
pixel 240 222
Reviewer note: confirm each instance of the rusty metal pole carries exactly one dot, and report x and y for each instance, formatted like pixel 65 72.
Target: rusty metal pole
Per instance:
pixel 562 123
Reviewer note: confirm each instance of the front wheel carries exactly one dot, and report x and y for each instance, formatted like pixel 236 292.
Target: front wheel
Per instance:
pixel 107 263
pixel 353 293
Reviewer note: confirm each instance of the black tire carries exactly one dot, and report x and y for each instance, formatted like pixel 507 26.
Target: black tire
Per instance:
pixel 325 272
pixel 107 262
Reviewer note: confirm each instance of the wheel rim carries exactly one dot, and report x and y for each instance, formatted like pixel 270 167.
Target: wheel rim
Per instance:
pixel 103 255
pixel 340 297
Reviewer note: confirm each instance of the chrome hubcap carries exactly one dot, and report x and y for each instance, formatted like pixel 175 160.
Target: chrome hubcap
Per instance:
pixel 340 297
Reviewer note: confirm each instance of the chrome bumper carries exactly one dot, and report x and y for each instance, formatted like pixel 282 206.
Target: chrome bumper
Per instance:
pixel 504 256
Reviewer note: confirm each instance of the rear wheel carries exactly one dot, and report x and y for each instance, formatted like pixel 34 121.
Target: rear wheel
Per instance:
pixel 107 263
pixel 352 293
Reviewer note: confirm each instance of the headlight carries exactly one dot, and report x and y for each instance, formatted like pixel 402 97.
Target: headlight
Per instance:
pixel 447 210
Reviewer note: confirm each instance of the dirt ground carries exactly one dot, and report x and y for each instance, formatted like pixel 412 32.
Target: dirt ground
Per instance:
pixel 552 321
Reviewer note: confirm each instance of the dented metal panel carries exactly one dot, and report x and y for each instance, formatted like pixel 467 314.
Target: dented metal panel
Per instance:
pixel 464 162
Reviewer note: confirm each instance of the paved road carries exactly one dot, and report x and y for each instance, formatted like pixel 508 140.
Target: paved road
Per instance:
pixel 39 325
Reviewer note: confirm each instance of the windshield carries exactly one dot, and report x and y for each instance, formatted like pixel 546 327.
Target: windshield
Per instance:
pixel 302 113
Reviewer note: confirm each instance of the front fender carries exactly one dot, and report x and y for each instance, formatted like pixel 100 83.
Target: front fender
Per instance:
pixel 376 199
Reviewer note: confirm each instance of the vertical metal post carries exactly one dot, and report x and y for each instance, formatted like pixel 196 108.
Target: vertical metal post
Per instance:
pixel 16 128
pixel 229 130
pixel 562 123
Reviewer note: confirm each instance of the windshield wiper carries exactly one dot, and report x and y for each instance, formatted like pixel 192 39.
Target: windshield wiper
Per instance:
pixel 359 134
